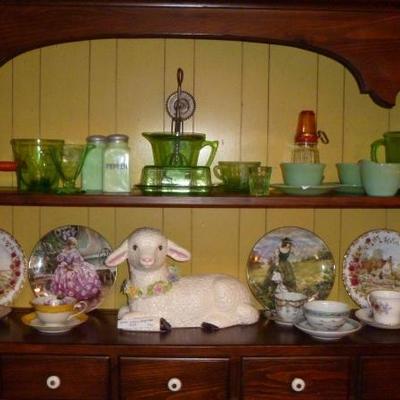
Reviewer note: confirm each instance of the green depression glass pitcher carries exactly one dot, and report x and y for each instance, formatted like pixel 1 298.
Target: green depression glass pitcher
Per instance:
pixel 164 146
pixel 391 143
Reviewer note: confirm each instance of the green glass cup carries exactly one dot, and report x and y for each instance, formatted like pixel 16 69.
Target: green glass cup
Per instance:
pixel 235 174
pixel 69 165
pixel 36 170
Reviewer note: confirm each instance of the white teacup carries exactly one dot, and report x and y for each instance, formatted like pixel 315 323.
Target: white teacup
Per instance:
pixel 385 306
pixel 289 306
pixel 55 313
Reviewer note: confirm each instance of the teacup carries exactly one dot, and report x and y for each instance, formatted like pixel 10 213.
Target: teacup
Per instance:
pixel 55 312
pixel 385 306
pixel 349 173
pixel 380 179
pixel 235 174
pixel 326 315
pixel 289 306
pixel 302 174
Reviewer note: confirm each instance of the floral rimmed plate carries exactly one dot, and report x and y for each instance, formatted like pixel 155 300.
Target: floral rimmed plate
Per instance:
pixel 371 262
pixel 13 265
pixel 292 259
pixel 69 261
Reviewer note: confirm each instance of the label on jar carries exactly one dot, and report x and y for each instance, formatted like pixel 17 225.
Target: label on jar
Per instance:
pixel 116 174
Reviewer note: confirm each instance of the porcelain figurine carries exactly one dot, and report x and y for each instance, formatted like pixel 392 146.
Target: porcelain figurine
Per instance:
pixel 159 300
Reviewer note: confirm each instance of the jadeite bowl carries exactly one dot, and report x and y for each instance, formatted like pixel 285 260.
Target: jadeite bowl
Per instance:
pixel 326 314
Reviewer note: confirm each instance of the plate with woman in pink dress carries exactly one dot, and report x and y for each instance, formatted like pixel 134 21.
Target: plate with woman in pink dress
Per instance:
pixel 69 262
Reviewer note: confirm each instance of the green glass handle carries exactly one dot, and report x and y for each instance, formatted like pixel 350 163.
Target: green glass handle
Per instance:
pixel 214 147
pixel 217 172
pixel 374 149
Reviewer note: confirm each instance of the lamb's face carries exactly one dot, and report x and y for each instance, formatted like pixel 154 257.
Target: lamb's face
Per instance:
pixel 147 250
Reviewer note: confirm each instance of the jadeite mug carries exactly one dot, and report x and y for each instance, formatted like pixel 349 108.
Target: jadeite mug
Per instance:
pixel 380 179
pixel 391 143
pixel 235 174
pixel 385 306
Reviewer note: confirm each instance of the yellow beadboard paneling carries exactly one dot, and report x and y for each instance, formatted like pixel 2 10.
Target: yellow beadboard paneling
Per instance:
pixel 26 95
pixel 177 226
pixel 254 113
pixel 6 94
pixel 248 97
pixel 364 122
pixel 102 220
pixel 27 234
pixel 140 95
pixel 394 115
pixel 330 114
pixel 215 241
pixel 218 94
pixel 292 88
pixel 354 222
pixel 102 86
pixel 327 227
pixel 64 91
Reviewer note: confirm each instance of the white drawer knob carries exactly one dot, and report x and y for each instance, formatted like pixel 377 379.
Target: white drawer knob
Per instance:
pixel 174 384
pixel 53 382
pixel 298 384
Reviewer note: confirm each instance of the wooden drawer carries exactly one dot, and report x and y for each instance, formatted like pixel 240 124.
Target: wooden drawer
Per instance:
pixel 296 378
pixel 55 377
pixel 180 378
pixel 379 378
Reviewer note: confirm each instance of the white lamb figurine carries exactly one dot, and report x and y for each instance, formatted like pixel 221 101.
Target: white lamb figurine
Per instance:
pixel 159 300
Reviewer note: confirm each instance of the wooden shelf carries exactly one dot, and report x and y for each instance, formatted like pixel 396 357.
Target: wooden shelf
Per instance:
pixel 217 200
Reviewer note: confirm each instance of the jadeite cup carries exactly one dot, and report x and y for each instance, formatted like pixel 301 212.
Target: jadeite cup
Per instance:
pixel 391 144
pixel 235 174
pixel 349 173
pixel 385 306
pixel 380 179
pixel 302 174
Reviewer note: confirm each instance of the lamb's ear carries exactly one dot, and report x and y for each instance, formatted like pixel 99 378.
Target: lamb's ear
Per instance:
pixel 176 252
pixel 118 256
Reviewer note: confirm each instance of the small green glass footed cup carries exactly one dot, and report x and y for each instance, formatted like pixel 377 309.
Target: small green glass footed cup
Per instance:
pixel 69 165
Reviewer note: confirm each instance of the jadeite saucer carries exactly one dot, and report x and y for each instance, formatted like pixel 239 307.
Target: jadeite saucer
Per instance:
pixel 350 189
pixel 365 315
pixel 33 321
pixel 306 190
pixel 349 327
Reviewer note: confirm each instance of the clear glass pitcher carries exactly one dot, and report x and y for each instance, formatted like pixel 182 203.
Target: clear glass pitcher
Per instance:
pixel 189 145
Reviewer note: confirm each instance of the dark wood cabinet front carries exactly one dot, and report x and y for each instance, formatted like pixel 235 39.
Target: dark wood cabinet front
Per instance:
pixel 296 378
pixel 380 378
pixel 35 377
pixel 189 379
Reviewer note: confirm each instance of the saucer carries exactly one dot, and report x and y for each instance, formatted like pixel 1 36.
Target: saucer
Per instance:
pixel 364 315
pixel 350 189
pixel 349 327
pixel 33 321
pixel 306 190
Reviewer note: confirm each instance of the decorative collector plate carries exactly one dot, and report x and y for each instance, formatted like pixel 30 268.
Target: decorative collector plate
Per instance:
pixel 13 265
pixel 69 261
pixel 290 259
pixel 372 262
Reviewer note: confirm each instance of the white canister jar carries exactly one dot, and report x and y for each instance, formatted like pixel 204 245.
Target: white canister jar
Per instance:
pixel 92 170
pixel 116 172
